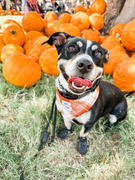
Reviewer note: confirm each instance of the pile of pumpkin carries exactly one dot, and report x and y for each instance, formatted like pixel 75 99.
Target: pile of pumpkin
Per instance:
pixel 121 64
pixel 22 54
pixel 10 12
pixel 24 57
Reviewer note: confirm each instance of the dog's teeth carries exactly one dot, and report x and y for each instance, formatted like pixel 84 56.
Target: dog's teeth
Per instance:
pixel 76 87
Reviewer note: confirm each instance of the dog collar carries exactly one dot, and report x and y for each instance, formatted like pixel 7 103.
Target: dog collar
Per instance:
pixel 76 107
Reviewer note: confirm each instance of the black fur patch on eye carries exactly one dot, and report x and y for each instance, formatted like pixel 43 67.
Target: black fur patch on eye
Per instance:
pixel 72 49
pixel 98 55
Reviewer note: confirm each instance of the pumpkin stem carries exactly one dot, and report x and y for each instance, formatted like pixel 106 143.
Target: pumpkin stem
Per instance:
pixel 13 32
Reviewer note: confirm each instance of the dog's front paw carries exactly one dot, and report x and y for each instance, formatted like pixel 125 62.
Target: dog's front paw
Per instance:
pixel 82 145
pixel 63 133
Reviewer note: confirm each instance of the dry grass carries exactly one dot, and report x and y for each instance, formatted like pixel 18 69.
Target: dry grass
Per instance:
pixel 23 115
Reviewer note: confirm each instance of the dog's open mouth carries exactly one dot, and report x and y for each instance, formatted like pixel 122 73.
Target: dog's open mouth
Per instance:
pixel 78 84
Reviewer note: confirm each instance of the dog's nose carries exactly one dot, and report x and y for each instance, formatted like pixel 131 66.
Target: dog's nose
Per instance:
pixel 84 65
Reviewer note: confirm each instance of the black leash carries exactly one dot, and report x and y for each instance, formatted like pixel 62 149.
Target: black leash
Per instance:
pixel 54 126
pixel 46 133
pixel 45 136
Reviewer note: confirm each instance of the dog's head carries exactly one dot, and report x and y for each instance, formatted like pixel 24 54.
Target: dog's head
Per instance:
pixel 80 62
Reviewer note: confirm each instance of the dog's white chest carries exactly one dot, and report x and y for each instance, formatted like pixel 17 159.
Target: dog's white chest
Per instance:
pixel 76 109
pixel 68 116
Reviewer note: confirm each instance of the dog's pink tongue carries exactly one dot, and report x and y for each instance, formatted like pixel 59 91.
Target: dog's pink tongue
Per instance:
pixel 80 82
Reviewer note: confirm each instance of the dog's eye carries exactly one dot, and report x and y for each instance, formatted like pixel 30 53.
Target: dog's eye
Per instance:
pixel 97 53
pixel 73 48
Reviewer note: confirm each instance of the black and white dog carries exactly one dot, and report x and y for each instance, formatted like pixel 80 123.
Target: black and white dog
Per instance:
pixel 81 95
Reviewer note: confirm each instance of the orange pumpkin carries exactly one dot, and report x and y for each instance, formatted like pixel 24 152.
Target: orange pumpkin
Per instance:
pixel 2 13
pixel 81 20
pixel 13 10
pixel 65 18
pixel 90 34
pixel 124 75
pixel 1 46
pixel 51 27
pixel 9 22
pixel 98 6
pixel 133 54
pixel 88 11
pixel 50 16
pixel 116 56
pixel 117 30
pixel 69 28
pixel 20 71
pixel 79 8
pixel 33 34
pixel 35 49
pixel 16 13
pixel 102 39
pixel 32 21
pixel 48 61
pixel 14 34
pixel 96 21
pixel 128 36
pixel 9 12
pixel 1 37
pixel 9 49
pixel 110 42
pixel 27 45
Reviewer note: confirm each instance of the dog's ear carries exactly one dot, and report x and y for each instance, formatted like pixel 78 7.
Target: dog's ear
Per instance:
pixel 58 39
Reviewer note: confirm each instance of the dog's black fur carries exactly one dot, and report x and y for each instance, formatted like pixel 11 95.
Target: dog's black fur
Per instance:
pixel 91 57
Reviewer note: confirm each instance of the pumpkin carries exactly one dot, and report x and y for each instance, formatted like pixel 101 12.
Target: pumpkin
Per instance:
pixel 9 49
pixel 117 30
pixel 124 75
pixel 13 10
pixel 128 36
pixel 79 8
pixel 1 46
pixel 32 21
pixel 20 71
pixel 102 38
pixel 33 34
pixel 1 37
pixel 90 34
pixel 48 61
pixel 50 16
pixel 88 11
pixel 133 54
pixel 110 42
pixel 27 45
pixel 16 13
pixel 98 6
pixel 96 21
pixel 14 34
pixel 9 22
pixel 51 27
pixel 65 18
pixel 2 13
pixel 9 12
pixel 69 28
pixel 81 20
pixel 35 49
pixel 116 56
